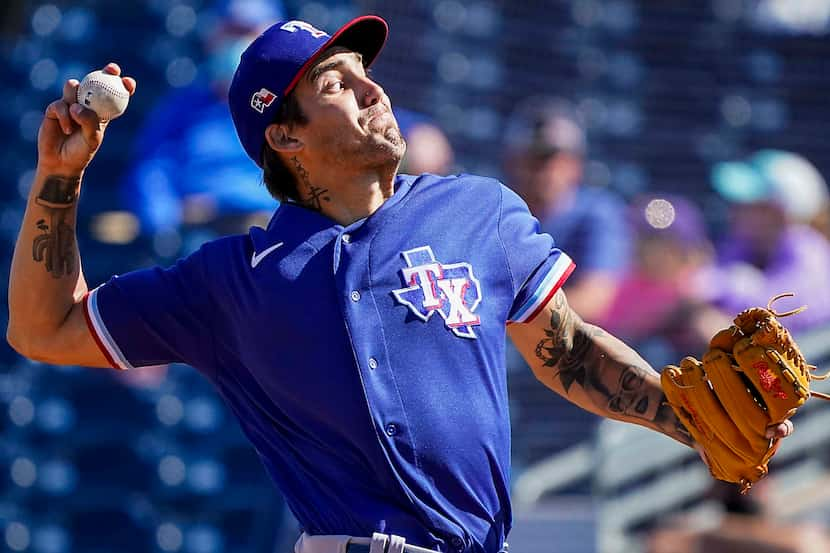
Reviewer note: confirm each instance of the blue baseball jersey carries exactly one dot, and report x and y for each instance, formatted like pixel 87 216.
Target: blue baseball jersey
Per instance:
pixel 365 363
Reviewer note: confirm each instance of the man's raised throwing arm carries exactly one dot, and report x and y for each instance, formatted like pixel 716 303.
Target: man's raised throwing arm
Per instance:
pixel 46 285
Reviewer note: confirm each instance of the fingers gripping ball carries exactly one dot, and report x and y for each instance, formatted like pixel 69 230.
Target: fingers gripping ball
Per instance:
pixel 104 94
pixel 752 376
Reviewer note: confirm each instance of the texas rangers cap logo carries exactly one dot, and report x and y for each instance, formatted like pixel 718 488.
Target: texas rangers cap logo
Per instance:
pixel 449 289
pixel 262 99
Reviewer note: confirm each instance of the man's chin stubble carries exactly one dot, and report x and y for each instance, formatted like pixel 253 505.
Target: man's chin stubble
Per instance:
pixel 394 137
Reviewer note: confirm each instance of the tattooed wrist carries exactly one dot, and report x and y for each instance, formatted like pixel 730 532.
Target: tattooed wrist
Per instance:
pixel 58 192
pixel 668 423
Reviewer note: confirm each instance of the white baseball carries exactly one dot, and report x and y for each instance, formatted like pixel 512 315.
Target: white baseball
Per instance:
pixel 104 94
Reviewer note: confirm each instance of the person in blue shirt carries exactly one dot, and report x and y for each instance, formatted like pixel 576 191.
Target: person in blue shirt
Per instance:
pixel 546 148
pixel 360 337
pixel 188 170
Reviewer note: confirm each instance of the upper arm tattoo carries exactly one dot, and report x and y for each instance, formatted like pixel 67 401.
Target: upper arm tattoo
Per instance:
pixel 566 343
pixel 55 246
pixel 556 342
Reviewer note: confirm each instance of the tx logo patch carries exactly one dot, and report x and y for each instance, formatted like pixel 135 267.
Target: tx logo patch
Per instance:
pixel 449 289
pixel 262 99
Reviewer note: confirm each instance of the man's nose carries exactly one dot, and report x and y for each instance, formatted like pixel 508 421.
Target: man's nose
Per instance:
pixel 372 93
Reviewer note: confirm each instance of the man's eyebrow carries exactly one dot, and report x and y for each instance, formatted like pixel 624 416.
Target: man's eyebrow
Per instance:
pixel 315 73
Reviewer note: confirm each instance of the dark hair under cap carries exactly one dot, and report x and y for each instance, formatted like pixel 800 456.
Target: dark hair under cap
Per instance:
pixel 545 125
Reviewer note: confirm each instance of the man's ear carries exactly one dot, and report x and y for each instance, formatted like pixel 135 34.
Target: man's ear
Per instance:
pixel 279 138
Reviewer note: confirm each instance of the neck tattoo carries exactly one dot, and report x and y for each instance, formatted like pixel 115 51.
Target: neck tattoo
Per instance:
pixel 315 194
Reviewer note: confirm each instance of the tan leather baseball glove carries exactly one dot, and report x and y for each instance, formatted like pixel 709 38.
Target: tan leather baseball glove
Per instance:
pixel 752 376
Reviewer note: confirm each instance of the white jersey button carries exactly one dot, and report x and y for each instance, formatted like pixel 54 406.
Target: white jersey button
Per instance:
pixel 346 238
pixel 373 363
pixel 355 295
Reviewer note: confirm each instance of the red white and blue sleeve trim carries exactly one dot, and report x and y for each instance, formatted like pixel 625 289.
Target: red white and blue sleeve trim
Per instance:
pixel 557 275
pixel 102 336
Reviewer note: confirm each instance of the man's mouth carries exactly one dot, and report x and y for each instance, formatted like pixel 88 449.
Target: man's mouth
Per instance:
pixel 374 112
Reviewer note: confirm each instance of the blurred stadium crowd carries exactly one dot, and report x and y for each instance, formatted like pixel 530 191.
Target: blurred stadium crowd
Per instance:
pixel 675 150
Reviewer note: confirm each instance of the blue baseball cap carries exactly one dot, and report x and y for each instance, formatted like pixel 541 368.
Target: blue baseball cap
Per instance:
pixel 276 60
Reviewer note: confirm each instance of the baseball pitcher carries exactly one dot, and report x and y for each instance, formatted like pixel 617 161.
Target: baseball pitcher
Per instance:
pixel 360 337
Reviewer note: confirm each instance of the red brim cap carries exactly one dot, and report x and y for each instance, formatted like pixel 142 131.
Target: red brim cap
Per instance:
pixel 365 34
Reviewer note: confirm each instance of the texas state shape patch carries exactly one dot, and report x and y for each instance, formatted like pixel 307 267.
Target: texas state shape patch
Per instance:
pixel 449 289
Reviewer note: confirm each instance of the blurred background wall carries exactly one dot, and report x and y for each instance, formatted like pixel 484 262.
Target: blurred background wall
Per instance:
pixel 716 109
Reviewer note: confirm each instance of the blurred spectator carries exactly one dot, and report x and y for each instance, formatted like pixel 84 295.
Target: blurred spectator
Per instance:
pixel 190 174
pixel 189 170
pixel 809 199
pixel 770 247
pixel 658 304
pixel 427 148
pixel 546 148
pixel 189 167
pixel 545 151
pixel 745 524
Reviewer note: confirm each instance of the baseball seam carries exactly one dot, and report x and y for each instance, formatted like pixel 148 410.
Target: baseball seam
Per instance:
pixel 108 88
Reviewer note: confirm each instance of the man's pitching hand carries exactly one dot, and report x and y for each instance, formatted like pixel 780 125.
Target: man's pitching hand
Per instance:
pixel 70 134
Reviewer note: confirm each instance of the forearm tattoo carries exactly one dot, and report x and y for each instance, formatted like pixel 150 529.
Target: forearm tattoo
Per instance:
pixel 615 379
pixel 313 195
pixel 55 246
